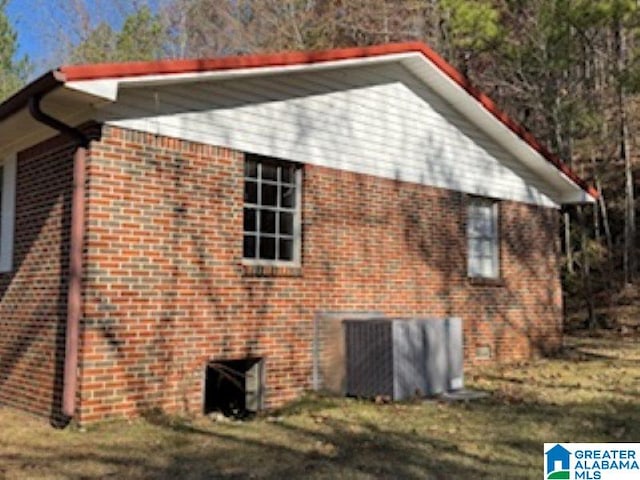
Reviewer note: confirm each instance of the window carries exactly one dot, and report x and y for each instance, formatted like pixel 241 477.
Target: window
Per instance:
pixel 271 210
pixel 7 211
pixel 483 239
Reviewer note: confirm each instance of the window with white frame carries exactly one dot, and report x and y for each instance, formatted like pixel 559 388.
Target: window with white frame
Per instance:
pixel 271 210
pixel 483 237
pixel 7 211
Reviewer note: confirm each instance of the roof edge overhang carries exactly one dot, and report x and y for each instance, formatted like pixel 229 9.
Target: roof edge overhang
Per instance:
pixel 42 85
pixel 285 59
pixel 102 81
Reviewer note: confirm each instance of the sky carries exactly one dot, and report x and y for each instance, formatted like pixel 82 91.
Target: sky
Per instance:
pixel 20 15
pixel 37 21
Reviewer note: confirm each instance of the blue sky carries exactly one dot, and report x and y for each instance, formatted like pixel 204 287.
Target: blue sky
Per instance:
pixel 19 12
pixel 37 21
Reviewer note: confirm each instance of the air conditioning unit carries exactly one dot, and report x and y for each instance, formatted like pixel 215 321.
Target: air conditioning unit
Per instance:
pixel 402 358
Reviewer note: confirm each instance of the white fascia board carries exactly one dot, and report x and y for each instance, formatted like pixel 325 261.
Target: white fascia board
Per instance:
pixel 102 89
pixel 108 88
pixel 577 197
pixel 468 106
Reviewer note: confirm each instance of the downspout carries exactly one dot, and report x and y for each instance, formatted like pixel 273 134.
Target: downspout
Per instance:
pixel 74 294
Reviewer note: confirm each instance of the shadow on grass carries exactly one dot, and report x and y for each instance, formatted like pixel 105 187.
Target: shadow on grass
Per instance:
pixel 327 437
pixel 567 385
pixel 347 448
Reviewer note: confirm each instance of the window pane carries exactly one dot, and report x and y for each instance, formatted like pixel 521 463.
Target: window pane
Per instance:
pixel 485 268
pixel 269 172
pixel 485 221
pixel 286 223
pixel 473 220
pixel 268 248
pixel 474 257
pixel 269 195
pixel 249 250
pixel 287 197
pixel 288 174
pixel 251 168
pixel 267 221
pixel 286 249
pixel 250 220
pixel 472 228
pixel 250 192
pixel 488 269
pixel 486 249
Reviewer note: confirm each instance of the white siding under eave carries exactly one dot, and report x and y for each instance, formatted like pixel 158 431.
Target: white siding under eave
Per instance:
pixel 379 120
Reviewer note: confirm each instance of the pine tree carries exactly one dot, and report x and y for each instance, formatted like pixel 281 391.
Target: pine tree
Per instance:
pixel 99 46
pixel 13 73
pixel 142 36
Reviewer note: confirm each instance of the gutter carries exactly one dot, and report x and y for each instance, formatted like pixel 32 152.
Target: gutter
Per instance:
pixel 41 86
pixel 74 294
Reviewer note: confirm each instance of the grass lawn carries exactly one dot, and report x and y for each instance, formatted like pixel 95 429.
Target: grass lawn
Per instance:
pixel 589 394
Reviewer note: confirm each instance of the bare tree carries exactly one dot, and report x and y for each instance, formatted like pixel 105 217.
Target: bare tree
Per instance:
pixel 629 254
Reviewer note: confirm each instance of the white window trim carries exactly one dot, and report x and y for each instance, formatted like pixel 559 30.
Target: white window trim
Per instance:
pixel 474 201
pixel 297 230
pixel 8 213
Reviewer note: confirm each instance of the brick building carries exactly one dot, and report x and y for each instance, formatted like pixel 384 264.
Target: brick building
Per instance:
pixel 209 210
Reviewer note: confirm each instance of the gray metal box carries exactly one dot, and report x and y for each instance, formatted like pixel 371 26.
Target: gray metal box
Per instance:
pixel 404 358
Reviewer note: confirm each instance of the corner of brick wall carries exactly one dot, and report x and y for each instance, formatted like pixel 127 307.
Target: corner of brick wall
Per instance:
pixel 33 296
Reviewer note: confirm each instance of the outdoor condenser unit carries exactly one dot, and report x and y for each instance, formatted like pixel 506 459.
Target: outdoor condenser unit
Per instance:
pixel 403 358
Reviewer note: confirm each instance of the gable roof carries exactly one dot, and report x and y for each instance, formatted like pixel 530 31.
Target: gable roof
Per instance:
pixel 102 80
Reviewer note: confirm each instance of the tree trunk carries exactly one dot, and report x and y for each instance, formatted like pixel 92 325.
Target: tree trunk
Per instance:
pixel 568 249
pixel 585 270
pixel 596 215
pixel 629 254
pixel 605 217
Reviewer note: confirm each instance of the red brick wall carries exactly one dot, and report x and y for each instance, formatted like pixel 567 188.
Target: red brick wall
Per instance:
pixel 165 288
pixel 33 296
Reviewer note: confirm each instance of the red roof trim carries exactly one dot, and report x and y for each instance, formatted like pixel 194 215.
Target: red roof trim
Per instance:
pixel 116 70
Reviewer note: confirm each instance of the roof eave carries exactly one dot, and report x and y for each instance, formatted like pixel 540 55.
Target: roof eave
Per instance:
pixel 578 197
pixel 108 76
pixel 42 85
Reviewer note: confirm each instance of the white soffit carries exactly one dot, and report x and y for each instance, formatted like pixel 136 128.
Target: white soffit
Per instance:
pixel 415 62
pixel 21 130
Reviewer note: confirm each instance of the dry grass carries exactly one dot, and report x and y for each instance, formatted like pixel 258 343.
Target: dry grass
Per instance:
pixel 591 393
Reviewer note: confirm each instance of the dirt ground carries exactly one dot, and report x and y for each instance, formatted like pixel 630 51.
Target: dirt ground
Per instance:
pixel 590 393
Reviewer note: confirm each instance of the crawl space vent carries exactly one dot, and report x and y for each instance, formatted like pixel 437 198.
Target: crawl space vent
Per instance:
pixel 234 387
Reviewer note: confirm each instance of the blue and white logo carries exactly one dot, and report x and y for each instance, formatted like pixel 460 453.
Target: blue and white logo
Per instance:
pixel 558 461
pixel 591 461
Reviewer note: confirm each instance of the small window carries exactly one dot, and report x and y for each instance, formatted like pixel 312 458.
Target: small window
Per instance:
pixel 7 212
pixel 483 239
pixel 271 210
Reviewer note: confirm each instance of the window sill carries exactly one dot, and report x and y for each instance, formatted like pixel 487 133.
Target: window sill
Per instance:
pixel 486 282
pixel 270 270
